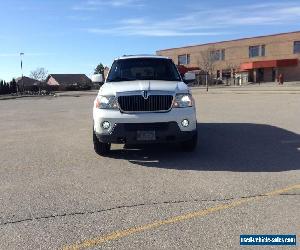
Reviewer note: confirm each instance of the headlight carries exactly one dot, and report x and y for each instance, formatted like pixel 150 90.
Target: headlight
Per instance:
pixel 106 102
pixel 183 101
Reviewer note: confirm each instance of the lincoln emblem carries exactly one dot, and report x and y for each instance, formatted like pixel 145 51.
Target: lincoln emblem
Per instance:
pixel 145 94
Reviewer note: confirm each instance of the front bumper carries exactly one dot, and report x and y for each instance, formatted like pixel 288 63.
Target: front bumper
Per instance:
pixel 164 132
pixel 116 117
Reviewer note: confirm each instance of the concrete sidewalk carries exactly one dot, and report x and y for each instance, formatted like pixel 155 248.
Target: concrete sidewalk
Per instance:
pixel 291 87
pixel 57 94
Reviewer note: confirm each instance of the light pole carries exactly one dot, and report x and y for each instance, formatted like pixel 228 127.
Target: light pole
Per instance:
pixel 21 56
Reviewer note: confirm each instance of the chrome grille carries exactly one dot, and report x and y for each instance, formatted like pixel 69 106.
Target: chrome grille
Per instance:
pixel 137 103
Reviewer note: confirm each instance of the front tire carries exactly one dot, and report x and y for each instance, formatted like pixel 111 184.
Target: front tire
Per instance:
pixel 189 145
pixel 100 148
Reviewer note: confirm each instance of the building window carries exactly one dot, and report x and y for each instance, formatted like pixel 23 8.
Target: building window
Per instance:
pixel 263 50
pixel 259 50
pixel 218 55
pixel 184 59
pixel 253 51
pixel 296 47
pixel 215 55
pixel 223 54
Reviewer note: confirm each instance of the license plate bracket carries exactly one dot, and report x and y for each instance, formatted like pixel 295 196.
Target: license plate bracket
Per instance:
pixel 145 135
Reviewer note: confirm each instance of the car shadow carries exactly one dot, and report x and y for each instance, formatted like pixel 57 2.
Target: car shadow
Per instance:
pixel 241 147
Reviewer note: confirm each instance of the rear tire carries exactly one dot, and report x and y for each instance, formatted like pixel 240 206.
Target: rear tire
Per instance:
pixel 100 148
pixel 189 145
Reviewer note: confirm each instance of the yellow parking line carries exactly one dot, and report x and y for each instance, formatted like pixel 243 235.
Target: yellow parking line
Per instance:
pixel 126 232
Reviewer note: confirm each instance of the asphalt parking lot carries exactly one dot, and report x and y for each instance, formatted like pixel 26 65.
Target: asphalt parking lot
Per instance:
pixel 56 192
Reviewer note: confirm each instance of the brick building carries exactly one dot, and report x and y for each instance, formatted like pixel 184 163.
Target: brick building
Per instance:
pixel 257 59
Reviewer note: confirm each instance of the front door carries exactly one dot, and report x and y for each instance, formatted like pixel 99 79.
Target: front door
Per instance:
pixel 273 74
pixel 251 76
pixel 260 75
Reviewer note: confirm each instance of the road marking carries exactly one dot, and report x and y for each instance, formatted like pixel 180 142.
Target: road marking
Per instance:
pixel 126 232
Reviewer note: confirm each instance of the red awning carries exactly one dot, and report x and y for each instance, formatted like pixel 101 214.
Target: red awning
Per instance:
pixel 269 64
pixel 183 69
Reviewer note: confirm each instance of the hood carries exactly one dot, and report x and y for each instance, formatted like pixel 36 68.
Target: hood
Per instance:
pixel 112 88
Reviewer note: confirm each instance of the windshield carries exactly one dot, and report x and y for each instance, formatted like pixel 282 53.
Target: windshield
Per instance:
pixel 143 69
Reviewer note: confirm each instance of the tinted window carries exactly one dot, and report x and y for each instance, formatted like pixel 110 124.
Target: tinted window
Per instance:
pixel 143 69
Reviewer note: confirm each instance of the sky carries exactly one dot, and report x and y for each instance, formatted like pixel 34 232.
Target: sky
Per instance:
pixel 73 36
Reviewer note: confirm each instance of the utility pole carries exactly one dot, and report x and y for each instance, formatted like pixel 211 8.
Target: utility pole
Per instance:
pixel 21 56
pixel 206 80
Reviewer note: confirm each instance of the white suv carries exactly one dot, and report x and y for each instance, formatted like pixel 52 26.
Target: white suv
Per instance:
pixel 144 100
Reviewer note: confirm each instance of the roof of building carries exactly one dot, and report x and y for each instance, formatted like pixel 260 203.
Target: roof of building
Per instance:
pixel 27 81
pixel 141 56
pixel 233 40
pixel 69 79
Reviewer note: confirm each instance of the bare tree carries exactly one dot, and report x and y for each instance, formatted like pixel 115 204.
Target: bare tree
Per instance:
pixel 232 67
pixel 39 74
pixel 206 62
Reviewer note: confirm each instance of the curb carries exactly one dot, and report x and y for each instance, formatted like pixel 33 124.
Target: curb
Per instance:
pixel 24 96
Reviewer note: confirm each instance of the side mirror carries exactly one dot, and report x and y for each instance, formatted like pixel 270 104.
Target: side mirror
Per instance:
pixel 97 78
pixel 189 76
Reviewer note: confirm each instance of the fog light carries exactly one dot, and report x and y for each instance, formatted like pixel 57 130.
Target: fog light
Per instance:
pixel 105 125
pixel 185 123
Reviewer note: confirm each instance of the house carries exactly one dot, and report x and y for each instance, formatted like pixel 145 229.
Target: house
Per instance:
pixel 28 84
pixel 69 81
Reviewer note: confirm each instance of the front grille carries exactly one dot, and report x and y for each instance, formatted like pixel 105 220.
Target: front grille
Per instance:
pixel 137 103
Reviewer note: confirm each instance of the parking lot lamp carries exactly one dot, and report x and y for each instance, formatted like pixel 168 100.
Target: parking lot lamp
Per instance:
pixel 21 56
